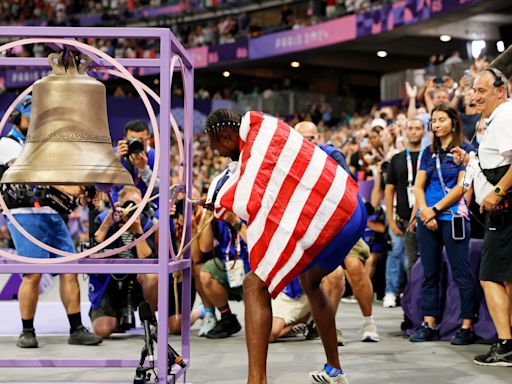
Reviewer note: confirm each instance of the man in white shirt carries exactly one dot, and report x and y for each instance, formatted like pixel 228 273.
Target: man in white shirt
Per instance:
pixel 493 184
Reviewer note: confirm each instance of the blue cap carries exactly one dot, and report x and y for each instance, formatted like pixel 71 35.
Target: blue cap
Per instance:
pixel 25 106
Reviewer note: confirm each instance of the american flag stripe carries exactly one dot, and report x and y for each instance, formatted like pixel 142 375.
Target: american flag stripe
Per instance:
pixel 269 169
pixel 309 219
pixel 294 196
pixel 319 234
pixel 285 177
pixel 228 198
pixel 291 194
pixel 257 151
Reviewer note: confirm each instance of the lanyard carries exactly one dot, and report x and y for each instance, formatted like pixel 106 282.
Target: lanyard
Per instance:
pixel 443 185
pixel 17 135
pixel 237 247
pixel 410 175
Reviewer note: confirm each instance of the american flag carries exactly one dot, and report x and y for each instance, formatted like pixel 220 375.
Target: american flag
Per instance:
pixel 294 198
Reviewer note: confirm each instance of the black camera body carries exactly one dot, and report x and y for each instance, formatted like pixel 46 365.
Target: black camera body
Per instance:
pixel 148 212
pixel 135 146
pixel 127 312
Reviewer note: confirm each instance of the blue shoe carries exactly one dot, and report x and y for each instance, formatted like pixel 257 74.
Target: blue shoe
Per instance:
pixel 464 336
pixel 424 333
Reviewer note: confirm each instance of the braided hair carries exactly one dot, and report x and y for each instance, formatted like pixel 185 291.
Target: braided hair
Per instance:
pixel 222 119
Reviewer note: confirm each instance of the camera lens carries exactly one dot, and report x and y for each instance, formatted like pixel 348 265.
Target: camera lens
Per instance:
pixel 135 146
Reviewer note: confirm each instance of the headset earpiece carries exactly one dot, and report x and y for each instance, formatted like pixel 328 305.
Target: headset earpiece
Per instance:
pixel 498 81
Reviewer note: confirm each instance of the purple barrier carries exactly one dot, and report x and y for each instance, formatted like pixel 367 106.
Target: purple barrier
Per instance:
pixel 315 36
pixel 199 56
pixel 228 52
pixel 365 189
pixel 411 300
pixel 10 289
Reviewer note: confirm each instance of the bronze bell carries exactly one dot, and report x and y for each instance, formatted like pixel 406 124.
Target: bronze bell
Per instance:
pixel 68 139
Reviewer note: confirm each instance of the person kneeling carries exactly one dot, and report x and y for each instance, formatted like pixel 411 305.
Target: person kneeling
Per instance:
pixel 222 276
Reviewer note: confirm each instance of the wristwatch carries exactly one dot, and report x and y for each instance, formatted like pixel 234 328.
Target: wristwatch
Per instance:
pixel 436 210
pixel 499 191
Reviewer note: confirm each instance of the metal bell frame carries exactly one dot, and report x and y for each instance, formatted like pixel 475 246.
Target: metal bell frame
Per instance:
pixel 171 52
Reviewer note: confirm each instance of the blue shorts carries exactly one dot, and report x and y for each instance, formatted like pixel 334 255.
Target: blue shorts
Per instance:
pixel 334 254
pixel 48 228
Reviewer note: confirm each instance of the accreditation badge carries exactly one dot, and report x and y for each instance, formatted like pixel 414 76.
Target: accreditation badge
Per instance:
pixel 236 272
pixel 410 196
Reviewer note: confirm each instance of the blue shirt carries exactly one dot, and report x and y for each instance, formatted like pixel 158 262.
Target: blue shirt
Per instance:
pixel 450 173
pixel 226 245
pixel 135 175
pixel 293 290
pixel 337 156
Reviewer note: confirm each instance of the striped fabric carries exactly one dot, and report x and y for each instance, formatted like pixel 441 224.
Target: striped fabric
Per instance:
pixel 294 198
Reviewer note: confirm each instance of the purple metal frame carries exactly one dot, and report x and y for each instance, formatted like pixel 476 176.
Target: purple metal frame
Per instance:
pixel 169 46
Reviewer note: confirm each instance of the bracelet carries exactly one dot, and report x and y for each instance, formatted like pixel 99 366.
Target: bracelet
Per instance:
pixel 436 210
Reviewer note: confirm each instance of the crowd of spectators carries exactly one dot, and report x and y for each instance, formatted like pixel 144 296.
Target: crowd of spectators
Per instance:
pixel 371 142
pixel 227 29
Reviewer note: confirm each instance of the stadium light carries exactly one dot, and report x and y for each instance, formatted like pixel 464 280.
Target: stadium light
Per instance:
pixel 382 53
pixel 477 46
pixel 295 64
pixel 500 46
pixel 445 38
pixel 226 74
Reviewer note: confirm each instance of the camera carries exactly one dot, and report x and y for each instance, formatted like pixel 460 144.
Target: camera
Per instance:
pixel 127 316
pixel 148 212
pixel 135 146
pixel 179 208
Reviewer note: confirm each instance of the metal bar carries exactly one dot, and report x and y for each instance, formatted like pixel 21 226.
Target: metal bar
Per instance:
pixel 178 371
pixel 49 363
pixel 134 33
pixel 162 267
pixel 43 62
pixel 163 225
pixel 188 83
pixel 92 268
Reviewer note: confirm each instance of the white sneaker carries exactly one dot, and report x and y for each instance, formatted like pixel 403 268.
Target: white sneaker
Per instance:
pixel 323 377
pixel 298 330
pixel 370 333
pixel 207 324
pixel 389 301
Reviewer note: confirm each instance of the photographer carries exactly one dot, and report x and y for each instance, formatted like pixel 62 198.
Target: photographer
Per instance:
pixel 113 298
pixel 136 155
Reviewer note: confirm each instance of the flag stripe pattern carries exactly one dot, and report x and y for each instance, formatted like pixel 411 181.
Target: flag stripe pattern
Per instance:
pixel 294 198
